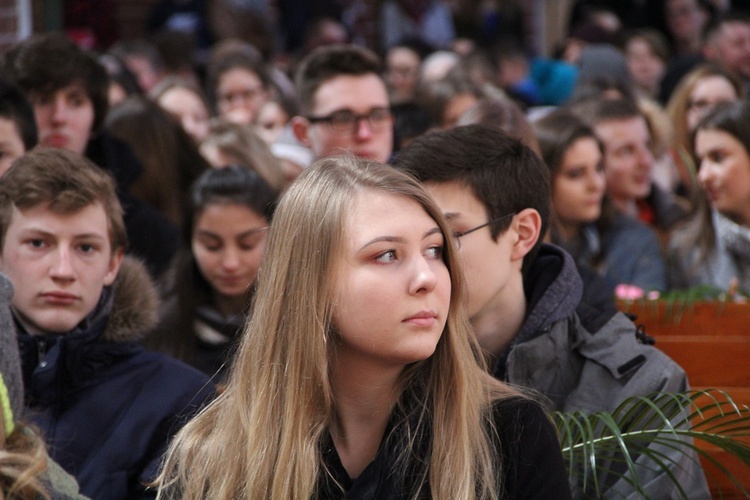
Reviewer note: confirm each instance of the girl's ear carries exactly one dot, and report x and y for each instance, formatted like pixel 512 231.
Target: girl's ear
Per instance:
pixel 527 225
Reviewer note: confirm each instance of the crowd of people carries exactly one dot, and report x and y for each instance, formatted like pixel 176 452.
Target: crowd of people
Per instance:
pixel 352 272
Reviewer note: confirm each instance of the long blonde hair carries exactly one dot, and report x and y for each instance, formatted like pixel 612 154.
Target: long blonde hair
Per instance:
pixel 23 458
pixel 261 437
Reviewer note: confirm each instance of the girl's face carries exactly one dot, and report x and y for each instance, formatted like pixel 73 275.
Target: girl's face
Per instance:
pixel 724 173
pixel 579 184
pixel 644 65
pixel 228 243
pixel 239 95
pixel 189 109
pixel 392 286
pixel 706 94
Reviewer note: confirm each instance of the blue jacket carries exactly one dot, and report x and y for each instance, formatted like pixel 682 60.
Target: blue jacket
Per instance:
pixel 106 406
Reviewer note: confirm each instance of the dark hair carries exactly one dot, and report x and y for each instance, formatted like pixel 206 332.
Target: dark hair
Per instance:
pixel 170 159
pixel 600 109
pixel 16 108
pixel 435 96
pixel 67 182
pixel 655 40
pixel 504 174
pixel 47 63
pixel 732 118
pixel 503 114
pixel 698 232
pixel 421 48
pixel 120 74
pixel 713 27
pixel 556 133
pixel 410 120
pixel 229 57
pixel 328 62
pixel 233 185
pixel 138 48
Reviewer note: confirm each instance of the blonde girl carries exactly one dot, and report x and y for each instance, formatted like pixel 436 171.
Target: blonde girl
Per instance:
pixel 358 374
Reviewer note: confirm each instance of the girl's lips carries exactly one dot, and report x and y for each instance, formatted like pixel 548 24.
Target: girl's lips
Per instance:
pixel 423 319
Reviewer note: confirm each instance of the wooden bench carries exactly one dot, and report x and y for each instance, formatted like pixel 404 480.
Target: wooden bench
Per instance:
pixel 711 341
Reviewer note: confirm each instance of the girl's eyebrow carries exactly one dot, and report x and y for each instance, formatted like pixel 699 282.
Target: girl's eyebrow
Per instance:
pixel 399 239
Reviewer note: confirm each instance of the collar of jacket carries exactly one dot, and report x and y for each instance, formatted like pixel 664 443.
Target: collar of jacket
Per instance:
pixel 126 310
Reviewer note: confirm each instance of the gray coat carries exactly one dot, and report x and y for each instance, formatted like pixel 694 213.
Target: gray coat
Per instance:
pixel 582 359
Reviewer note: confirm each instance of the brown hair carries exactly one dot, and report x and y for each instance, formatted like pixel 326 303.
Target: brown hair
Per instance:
pixel 170 159
pixel 47 63
pixel 64 180
pixel 503 173
pixel 328 62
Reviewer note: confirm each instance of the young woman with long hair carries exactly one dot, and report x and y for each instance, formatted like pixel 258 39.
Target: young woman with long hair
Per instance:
pixel 358 374
pixel 621 249
pixel 713 247
pixel 697 94
pixel 211 280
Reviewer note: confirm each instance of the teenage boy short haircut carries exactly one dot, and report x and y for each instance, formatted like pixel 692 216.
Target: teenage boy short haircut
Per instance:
pixel 328 62
pixel 600 109
pixel 504 174
pixel 67 182
pixel 44 64
pixel 15 108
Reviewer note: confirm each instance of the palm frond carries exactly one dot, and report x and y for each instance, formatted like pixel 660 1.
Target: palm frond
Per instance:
pixel 656 433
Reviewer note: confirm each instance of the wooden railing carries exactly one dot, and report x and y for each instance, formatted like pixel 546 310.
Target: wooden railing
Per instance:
pixel 711 341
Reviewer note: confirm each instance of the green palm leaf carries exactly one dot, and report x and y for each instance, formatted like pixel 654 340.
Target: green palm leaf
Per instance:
pixel 651 433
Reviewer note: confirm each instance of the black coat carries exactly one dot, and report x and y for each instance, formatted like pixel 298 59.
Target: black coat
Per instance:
pixel 106 406
pixel 532 465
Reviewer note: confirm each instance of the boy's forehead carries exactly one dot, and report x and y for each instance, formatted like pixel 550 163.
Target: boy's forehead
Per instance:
pixel 90 220
pixel 455 198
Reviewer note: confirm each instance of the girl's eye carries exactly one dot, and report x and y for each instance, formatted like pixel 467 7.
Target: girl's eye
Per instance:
pixel 386 257
pixel 576 173
pixel 435 252
pixel 87 248
pixel 716 156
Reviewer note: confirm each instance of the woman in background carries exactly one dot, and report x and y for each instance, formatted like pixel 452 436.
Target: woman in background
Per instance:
pixel 358 375
pixel 621 249
pixel 186 102
pixel 210 284
pixel 171 161
pixel 697 94
pixel 713 247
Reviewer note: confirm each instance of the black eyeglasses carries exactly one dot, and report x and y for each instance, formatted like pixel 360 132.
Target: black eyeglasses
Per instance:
pixel 459 234
pixel 346 121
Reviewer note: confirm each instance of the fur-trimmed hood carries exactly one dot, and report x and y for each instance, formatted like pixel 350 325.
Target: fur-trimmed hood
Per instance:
pixel 135 308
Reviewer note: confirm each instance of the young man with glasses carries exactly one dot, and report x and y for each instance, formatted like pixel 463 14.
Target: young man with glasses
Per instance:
pixel 344 104
pixel 524 296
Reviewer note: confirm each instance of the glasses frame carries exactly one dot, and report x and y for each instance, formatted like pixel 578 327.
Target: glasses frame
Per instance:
pixel 358 117
pixel 457 235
